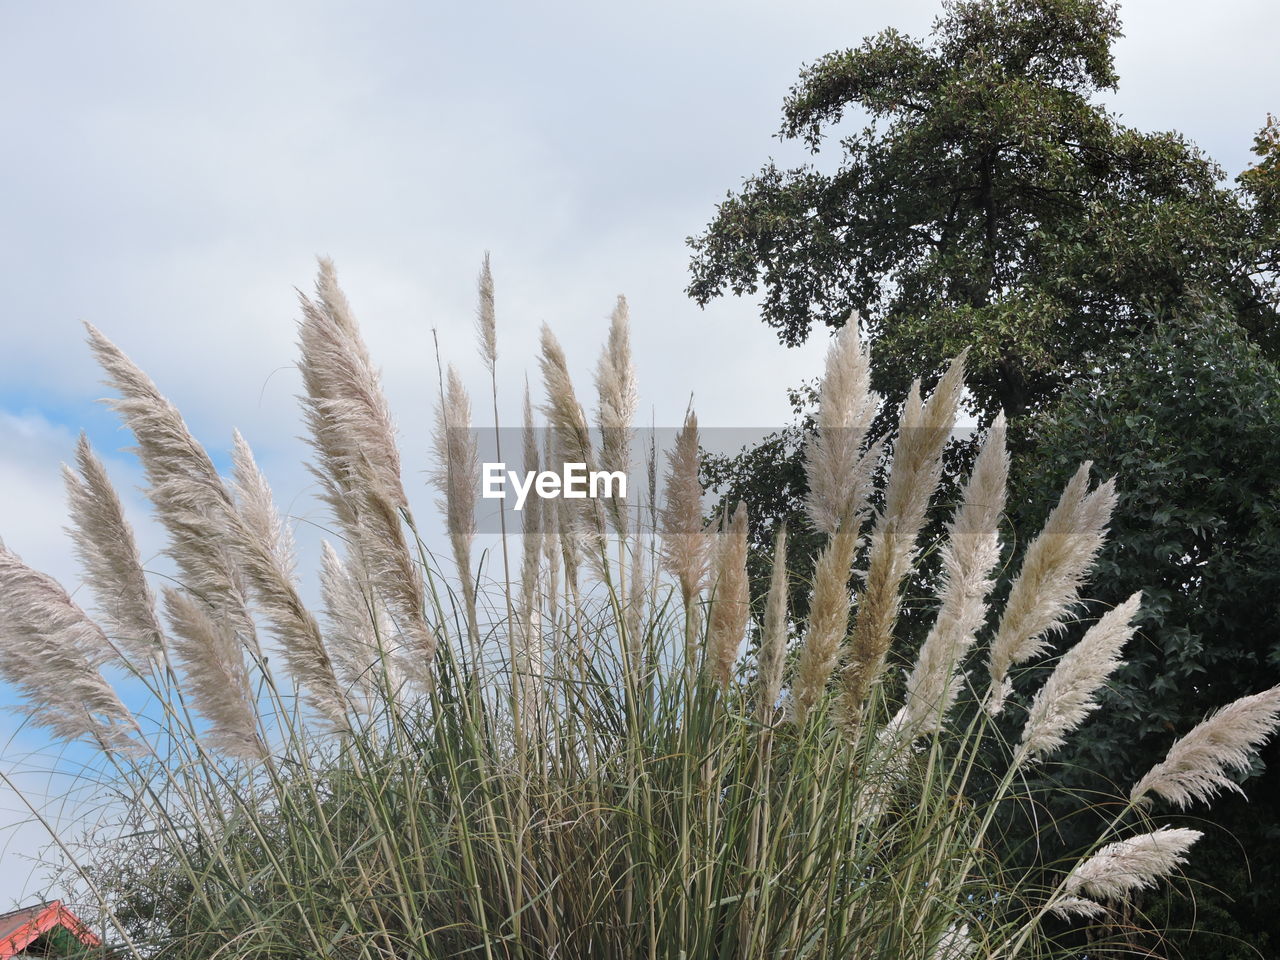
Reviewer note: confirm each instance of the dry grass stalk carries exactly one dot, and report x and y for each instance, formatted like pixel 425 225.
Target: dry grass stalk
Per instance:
pixel 51 651
pixel 730 601
pixel 923 431
pixel 457 477
pixel 1197 764
pixel 773 634
pixel 1136 863
pixel 1049 582
pixel 969 558
pixel 266 551
pixel 616 387
pixel 839 475
pixel 105 544
pixel 214 675
pixel 1067 697
pixel 358 464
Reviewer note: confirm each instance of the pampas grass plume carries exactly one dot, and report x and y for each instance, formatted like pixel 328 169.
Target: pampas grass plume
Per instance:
pixel 355 624
pixel 106 546
pixel 684 539
pixel 1048 584
pixel 582 522
pixel 457 477
pixel 839 479
pixel 731 602
pixel 1136 863
pixel 828 620
pixel 1067 697
pixel 486 318
pixel 616 388
pixel 266 550
pixel 52 651
pixel 969 556
pixel 214 676
pixel 358 463
pixel 954 944
pixel 1197 764
pixel 189 497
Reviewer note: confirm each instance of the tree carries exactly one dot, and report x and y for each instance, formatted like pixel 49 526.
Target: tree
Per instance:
pixel 990 202
pixel 1261 184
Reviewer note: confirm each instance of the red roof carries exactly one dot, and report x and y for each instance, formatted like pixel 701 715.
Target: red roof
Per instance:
pixel 19 928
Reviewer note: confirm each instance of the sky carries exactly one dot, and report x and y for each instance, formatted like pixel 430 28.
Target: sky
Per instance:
pixel 171 171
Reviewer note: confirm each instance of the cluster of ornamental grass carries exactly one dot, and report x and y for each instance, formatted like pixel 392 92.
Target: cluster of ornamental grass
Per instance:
pixel 581 762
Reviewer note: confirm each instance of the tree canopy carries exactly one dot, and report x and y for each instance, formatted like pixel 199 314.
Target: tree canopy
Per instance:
pixel 990 201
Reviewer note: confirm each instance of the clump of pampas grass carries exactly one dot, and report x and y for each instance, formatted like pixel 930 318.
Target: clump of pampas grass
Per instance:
pixel 660 765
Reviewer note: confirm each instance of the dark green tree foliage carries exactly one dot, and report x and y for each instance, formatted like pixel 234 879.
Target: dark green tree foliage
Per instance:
pixel 989 202
pixel 1261 184
pixel 1190 425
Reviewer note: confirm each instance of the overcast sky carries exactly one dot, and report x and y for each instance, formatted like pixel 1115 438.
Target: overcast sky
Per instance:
pixel 170 171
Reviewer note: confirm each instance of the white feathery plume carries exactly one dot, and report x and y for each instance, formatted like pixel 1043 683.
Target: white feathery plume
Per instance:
pixel 839 478
pixel 216 680
pixel 357 625
pixel 1049 582
pixel 457 477
pixel 1197 764
pixel 616 388
pixel 969 557
pixel 1078 907
pixel 563 411
pixel 1067 697
pixel 486 318
pixel 51 651
pixel 954 944
pixel 571 443
pixel 773 633
pixel 266 551
pixel 190 498
pixel 1134 864
pixel 563 532
pixel 730 601
pixel 923 431
pixel 884 775
pixel 357 462
pixel 348 414
pixel 105 544
pixel 684 537
pixel 828 620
